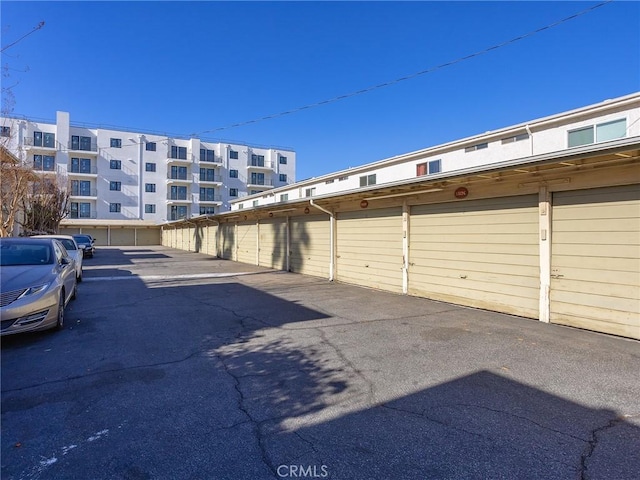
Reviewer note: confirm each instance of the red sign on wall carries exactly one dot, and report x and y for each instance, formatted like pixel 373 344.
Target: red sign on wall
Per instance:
pixel 461 192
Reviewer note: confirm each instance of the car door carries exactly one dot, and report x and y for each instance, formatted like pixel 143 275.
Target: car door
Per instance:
pixel 67 269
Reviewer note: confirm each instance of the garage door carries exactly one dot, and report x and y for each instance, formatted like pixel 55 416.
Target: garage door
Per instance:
pixel 122 237
pixel 273 243
pixel 309 245
pixel 227 241
pixel 369 248
pixel 247 242
pixel 99 234
pixel 148 236
pixel 481 253
pixel 210 240
pixel 595 260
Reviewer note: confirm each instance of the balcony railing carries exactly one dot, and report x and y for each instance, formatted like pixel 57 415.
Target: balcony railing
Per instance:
pixel 80 147
pixel 30 142
pixel 83 215
pixel 178 197
pixel 209 198
pixel 215 178
pixel 86 171
pixel 267 182
pixel 255 163
pixel 84 192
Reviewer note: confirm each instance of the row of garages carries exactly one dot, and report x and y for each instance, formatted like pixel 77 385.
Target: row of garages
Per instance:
pixel 560 254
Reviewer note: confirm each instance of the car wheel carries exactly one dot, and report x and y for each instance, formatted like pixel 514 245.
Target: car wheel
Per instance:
pixel 60 322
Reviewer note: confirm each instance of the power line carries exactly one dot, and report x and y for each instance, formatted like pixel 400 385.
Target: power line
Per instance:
pixel 408 77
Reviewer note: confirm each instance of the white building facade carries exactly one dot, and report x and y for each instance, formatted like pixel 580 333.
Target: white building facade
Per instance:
pixel 124 175
pixel 609 120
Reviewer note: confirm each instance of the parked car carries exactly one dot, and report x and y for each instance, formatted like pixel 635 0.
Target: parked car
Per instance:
pixel 72 249
pixel 37 281
pixel 85 242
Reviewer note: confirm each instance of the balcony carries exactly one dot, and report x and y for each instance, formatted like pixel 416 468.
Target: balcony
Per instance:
pixel 216 179
pixel 179 179
pixel 216 162
pixel 259 183
pixel 92 171
pixel 30 144
pixel 87 146
pixel 83 215
pixel 210 199
pixel 83 192
pixel 259 164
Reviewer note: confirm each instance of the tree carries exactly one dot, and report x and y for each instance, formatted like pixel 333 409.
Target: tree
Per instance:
pixel 15 181
pixel 46 204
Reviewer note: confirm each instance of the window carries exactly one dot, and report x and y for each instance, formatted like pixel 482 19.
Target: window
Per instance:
pixel 515 138
pixel 178 212
pixel 368 180
pixel 329 181
pixel 207 155
pixel 283 177
pixel 5 131
pixel 44 139
pixel 240 206
pixel 255 203
pixel 309 192
pixel 178 173
pixel 233 173
pixel 479 146
pixel 80 210
pixel 233 192
pixel 117 186
pixel 284 197
pixel 601 133
pixel 150 167
pixel 342 179
pixel 207 194
pixel 149 208
pixel 46 163
pixel 81 188
pixel 257 179
pixel 429 168
pixel 207 210
pixel 81 143
pixel 233 154
pixel 150 147
pixel 80 165
pixel 179 153
pixel 257 160
pixel 115 143
pixel 37 139
pixel 178 193
pixel 115 207
pixel 115 164
pixel 207 175
pixel 150 187
pixel 282 160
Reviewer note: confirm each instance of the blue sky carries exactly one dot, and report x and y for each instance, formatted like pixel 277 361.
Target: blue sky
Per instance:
pixel 191 67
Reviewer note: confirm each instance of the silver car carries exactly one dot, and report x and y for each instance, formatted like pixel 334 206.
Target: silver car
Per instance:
pixel 72 249
pixel 37 281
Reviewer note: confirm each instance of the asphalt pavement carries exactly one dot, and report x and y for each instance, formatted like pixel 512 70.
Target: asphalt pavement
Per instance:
pixel 177 365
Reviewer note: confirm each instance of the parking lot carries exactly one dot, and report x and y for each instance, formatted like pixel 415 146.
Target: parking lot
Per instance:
pixel 178 365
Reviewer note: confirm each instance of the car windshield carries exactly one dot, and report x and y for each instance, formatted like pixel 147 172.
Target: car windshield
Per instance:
pixel 82 239
pixel 25 254
pixel 68 243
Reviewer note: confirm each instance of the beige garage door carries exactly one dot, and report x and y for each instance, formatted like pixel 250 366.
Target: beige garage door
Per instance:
pixel 210 240
pixel 227 241
pixel 148 236
pixel 481 253
pixel 273 243
pixel 99 234
pixel 122 237
pixel 369 248
pixel 309 245
pixel 595 260
pixel 247 242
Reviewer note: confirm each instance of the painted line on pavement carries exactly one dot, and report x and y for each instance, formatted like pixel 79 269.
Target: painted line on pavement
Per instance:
pixel 152 278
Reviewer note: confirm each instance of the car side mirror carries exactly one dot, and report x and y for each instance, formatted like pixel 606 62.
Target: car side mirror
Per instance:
pixel 64 261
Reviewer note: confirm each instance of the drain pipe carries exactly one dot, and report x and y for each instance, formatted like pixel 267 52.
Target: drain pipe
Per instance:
pixel 332 249
pixel 526 127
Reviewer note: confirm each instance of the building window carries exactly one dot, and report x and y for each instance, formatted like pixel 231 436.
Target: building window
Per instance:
pixel 150 167
pixel 115 207
pixel 179 153
pixel 178 173
pixel 207 155
pixel 515 138
pixel 37 139
pixel 47 140
pixel 233 192
pixel 257 160
pixel 5 131
pixel 151 146
pixel 429 168
pixel 81 188
pixel 80 210
pixel 46 163
pixel 367 180
pixel 233 154
pixel 149 208
pixel 178 212
pixel 233 173
pixel 283 177
pixel 117 186
pixel 150 187
pixel 329 181
pixel 207 210
pixel 81 165
pixel 115 143
pixel 255 203
pixel 282 160
pixel 81 143
pixel 342 179
pixel 479 146
pixel 207 175
pixel 178 192
pixel 309 192
pixel 207 194
pixel 115 164
pixel 284 197
pixel 601 133
pixel 257 179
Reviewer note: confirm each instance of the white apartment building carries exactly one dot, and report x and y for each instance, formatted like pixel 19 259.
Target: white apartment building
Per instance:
pixel 118 175
pixel 608 120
